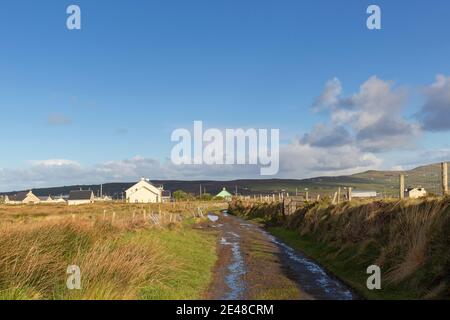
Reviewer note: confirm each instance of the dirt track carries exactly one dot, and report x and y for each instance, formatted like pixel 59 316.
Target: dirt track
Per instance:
pixel 253 264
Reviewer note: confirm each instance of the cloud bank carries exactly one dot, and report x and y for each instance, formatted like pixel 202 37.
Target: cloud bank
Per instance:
pixel 435 113
pixel 359 129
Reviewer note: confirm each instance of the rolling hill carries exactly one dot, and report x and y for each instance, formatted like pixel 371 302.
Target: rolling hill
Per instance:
pixel 385 182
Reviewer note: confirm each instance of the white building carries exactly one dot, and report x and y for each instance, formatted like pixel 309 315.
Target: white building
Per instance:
pixel 415 193
pixel 78 197
pixel 22 198
pixel 44 200
pixel 59 200
pixel 364 194
pixel 103 199
pixel 144 192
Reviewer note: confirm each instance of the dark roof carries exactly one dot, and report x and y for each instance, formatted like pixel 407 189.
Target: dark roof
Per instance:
pixel 412 188
pixel 80 195
pixel 19 196
pixel 166 193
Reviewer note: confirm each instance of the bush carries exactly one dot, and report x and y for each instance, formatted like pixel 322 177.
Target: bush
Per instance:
pixel 181 195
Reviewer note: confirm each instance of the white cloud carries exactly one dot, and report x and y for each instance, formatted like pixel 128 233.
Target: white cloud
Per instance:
pixel 296 161
pixel 304 160
pixel 329 96
pixel 327 136
pixel 54 162
pixel 435 113
pixel 373 116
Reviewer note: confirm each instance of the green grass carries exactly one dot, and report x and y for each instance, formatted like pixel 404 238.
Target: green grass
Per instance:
pixel 344 263
pixel 194 255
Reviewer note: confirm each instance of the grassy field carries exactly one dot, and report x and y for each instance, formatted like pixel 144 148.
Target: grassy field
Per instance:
pixel 409 240
pixel 123 251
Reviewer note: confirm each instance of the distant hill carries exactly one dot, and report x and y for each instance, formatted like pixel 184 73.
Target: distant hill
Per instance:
pixel 385 182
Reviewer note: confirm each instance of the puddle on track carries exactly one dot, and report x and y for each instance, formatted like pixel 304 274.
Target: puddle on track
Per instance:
pixel 312 278
pixel 236 269
pixel 212 217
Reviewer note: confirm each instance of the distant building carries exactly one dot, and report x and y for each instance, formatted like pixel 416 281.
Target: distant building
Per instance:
pixel 415 193
pixel 59 200
pixel 224 194
pixel 48 199
pixel 78 197
pixel 103 199
pixel 22 198
pixel 144 192
pixel 166 196
pixel 4 199
pixel 364 194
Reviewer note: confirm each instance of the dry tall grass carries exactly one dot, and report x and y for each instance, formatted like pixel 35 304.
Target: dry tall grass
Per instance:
pixel 34 259
pixel 32 213
pixel 108 241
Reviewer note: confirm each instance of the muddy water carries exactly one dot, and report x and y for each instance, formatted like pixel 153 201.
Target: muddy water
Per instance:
pixel 235 278
pixel 312 278
pixel 236 268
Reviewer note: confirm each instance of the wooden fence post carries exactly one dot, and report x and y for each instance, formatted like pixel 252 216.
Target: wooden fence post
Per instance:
pixel 339 195
pixel 444 178
pixel 402 186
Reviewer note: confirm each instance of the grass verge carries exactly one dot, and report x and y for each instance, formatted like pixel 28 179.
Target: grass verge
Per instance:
pixel 130 259
pixel 408 240
pixel 194 255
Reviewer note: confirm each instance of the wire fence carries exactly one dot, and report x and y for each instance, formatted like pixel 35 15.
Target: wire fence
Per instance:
pixel 419 182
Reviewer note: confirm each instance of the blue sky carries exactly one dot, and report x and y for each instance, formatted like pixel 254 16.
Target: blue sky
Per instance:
pixel 114 91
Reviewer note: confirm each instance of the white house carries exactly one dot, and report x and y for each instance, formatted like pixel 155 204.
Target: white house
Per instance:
pixel 22 198
pixel 144 192
pixel 415 193
pixel 59 200
pixel 78 197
